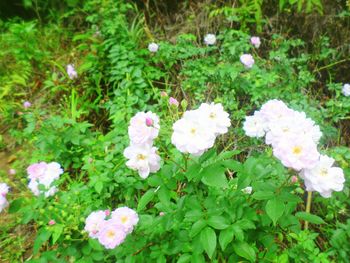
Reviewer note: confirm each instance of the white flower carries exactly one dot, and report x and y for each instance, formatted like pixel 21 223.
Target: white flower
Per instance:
pixel 248 190
pixel 94 222
pixel 296 152
pixel 254 126
pixel 274 110
pixel 210 39
pixel 192 134
pixel 72 74
pixel 346 90
pixel 126 217
pixel 247 60
pixel 143 128
pixel 215 116
pixel 255 41
pixel 324 178
pixel 153 47
pixel 142 158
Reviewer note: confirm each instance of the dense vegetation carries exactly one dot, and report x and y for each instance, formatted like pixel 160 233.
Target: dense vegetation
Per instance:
pixel 75 74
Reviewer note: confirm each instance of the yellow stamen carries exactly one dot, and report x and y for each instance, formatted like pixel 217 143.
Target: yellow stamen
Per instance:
pixel 193 131
pixel 141 157
pixel 297 150
pixel 324 172
pixel 212 115
pixel 124 219
pixel 110 234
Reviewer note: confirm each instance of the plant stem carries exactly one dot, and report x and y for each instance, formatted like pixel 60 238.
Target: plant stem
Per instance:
pixel 308 208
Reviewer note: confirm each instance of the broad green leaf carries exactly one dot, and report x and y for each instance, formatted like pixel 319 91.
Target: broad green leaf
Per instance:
pixel 263 195
pixel 208 241
pixel 244 250
pixel 98 186
pixel 197 227
pixel 274 209
pixel 214 175
pixel 16 205
pixel 314 219
pixel 218 222
pixel 145 199
pixel 225 237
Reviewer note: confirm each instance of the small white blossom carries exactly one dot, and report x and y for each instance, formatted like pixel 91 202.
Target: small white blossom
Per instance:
pixel 153 47
pixel 346 90
pixel 210 39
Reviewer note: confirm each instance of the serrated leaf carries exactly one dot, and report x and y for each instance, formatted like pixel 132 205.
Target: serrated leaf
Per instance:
pixel 314 219
pixel 244 250
pixel 208 241
pixel 274 209
pixel 145 199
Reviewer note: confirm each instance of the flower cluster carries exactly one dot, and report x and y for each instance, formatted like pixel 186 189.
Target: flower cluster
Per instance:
pixel 197 130
pixel 111 228
pixel 4 189
pixel 294 139
pixel 142 156
pixel 43 174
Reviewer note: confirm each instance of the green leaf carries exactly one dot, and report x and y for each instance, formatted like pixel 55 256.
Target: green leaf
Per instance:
pixel 16 205
pixel 208 241
pixel 57 231
pixel 263 195
pixel 197 227
pixel 244 250
pixel 40 240
pixel 145 199
pixel 274 209
pixel 218 222
pixel 214 175
pixel 225 237
pixel 193 171
pixel 184 258
pixel 314 219
pixel 98 186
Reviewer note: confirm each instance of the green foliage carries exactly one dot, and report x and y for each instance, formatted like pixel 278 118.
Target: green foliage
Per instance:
pixel 194 209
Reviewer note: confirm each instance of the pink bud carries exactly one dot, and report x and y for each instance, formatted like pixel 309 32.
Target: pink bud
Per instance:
pixel 27 104
pixel 149 121
pixel 107 212
pixel 173 101
pixel 163 94
pixel 3 194
pixel 12 171
pixel 294 179
pixel 52 222
pixel 161 214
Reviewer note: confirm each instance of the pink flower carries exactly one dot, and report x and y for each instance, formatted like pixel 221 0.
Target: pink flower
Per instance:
pixel 173 101
pixel 163 94
pixel 4 189
pixel 111 234
pixel 107 212
pixel 149 121
pixel 27 104
pixel 94 222
pixel 12 171
pixel 247 60
pixel 36 170
pixel 52 222
pixel 294 179
pixel 255 41
pixel 125 217
pixel 139 131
